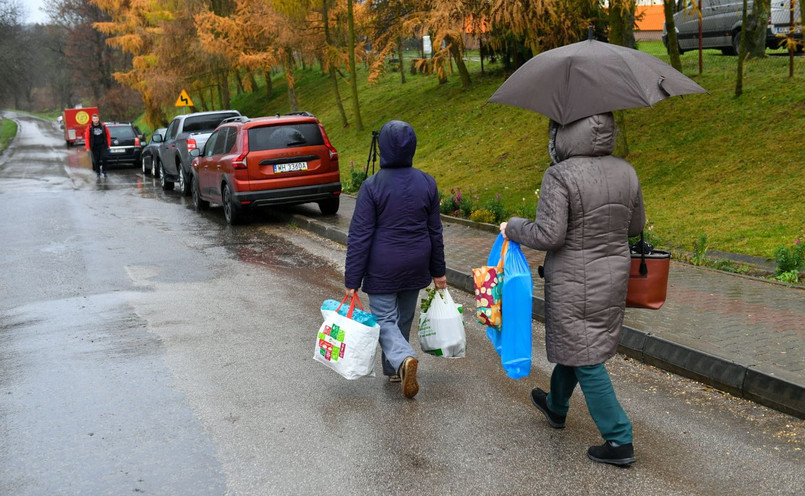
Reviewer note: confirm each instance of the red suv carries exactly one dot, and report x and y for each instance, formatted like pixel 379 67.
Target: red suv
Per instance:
pixel 266 161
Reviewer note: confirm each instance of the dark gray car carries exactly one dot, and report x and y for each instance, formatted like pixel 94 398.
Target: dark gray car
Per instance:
pixel 185 133
pixel 150 152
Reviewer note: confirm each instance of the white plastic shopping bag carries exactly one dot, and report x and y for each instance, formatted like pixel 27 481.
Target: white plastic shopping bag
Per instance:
pixel 346 345
pixel 441 327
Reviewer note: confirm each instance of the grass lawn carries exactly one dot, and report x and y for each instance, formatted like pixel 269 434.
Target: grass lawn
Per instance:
pixel 730 168
pixel 8 129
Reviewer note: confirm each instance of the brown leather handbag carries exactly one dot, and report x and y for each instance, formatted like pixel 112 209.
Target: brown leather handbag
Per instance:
pixel 648 277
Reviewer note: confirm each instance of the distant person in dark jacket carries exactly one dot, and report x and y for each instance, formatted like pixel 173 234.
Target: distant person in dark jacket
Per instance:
pixel 590 203
pixel 97 140
pixel 395 248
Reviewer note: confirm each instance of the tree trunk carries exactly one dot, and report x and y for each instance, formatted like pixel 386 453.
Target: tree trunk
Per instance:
pixel 481 54
pixel 269 86
pixel 338 102
pixel 223 89
pixel 739 81
pixel 400 57
pixel 756 28
pixel 202 99
pixel 289 78
pixel 333 75
pixel 673 43
pixel 628 24
pixel 239 81
pixel 621 142
pixel 353 74
pixel 615 23
pixel 621 22
pixel 462 68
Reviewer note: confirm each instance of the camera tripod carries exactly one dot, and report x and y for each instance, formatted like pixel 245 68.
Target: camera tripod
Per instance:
pixel 372 155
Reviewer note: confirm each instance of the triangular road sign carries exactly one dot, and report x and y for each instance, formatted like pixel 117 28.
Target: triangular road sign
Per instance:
pixel 183 100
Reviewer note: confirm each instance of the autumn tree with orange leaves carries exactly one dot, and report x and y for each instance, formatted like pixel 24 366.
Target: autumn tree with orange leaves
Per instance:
pixel 445 22
pixel 199 45
pixel 136 30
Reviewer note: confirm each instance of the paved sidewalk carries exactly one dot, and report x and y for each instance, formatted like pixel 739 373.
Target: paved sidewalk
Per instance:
pixel 739 334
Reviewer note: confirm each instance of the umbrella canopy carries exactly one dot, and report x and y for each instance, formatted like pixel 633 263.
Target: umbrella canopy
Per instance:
pixel 591 77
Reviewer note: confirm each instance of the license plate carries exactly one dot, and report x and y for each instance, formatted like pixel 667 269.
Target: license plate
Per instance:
pixel 117 150
pixel 295 166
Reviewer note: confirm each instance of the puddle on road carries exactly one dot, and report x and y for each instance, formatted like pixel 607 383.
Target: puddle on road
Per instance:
pixel 278 253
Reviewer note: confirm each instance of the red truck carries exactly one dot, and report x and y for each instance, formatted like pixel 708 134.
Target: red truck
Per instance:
pixel 74 121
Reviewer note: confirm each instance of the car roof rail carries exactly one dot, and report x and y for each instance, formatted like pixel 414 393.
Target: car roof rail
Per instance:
pixel 303 113
pixel 238 118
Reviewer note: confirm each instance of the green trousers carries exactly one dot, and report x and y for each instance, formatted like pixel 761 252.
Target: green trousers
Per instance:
pixel 604 408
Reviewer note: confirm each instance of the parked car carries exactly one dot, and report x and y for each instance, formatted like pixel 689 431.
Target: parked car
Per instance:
pixel 249 163
pixel 184 133
pixel 126 143
pixel 722 24
pixel 150 152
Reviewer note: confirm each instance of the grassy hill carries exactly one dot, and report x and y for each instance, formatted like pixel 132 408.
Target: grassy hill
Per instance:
pixel 8 129
pixel 709 164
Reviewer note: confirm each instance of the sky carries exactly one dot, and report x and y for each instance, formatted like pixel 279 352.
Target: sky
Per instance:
pixel 33 14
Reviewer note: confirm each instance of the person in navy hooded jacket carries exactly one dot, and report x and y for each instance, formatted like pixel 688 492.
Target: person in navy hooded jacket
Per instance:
pixel 395 248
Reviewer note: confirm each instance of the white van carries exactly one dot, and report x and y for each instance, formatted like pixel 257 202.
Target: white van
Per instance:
pixel 721 25
pixel 780 22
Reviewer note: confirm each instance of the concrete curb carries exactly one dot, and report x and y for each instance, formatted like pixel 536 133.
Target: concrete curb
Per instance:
pixel 739 380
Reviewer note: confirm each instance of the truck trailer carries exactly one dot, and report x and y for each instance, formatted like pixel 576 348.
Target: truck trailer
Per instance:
pixel 74 122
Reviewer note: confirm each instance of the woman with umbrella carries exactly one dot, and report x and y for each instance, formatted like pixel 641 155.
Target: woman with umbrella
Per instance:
pixel 590 202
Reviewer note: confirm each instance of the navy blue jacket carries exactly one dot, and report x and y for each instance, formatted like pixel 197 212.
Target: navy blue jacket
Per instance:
pixel 395 237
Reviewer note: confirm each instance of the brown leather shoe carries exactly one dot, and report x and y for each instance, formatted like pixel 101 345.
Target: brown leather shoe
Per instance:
pixel 408 374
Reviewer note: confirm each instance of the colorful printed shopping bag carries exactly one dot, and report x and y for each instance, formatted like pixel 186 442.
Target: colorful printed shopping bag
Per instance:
pixel 488 282
pixel 346 345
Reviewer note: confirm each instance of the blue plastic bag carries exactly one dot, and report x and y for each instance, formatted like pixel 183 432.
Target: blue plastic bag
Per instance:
pixel 358 315
pixel 513 341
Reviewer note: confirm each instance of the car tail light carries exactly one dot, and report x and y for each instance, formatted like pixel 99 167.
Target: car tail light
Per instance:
pixel 240 161
pixel 330 147
pixel 137 142
pixel 191 144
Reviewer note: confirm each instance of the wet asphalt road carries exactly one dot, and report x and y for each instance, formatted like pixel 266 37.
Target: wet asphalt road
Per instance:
pixel 147 348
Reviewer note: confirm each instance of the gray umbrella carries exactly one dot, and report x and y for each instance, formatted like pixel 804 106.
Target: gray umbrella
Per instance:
pixel 591 77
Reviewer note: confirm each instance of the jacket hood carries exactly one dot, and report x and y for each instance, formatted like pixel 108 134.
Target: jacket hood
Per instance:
pixel 592 136
pixel 397 142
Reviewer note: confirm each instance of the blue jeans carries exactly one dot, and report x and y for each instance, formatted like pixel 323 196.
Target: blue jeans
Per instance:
pixel 604 408
pixel 395 313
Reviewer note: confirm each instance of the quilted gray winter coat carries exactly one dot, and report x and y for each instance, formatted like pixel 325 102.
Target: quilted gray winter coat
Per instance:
pixel 590 202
